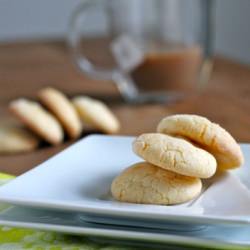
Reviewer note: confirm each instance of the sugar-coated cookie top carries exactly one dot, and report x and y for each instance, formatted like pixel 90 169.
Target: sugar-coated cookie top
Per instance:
pixel 206 134
pixel 175 154
pixel 148 184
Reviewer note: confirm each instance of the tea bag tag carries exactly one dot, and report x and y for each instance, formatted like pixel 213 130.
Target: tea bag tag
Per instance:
pixel 127 53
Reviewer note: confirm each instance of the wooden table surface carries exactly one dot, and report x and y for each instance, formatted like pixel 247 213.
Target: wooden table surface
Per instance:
pixel 27 67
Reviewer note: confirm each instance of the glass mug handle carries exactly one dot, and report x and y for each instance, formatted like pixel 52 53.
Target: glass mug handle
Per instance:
pixel 123 82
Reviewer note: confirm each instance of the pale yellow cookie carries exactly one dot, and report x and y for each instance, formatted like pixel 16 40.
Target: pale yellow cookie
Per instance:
pixel 15 139
pixel 96 114
pixel 63 109
pixel 175 154
pixel 206 134
pixel 36 118
pixel 147 184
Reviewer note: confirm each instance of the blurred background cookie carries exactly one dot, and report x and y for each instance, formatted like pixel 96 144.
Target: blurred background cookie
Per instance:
pixel 149 184
pixel 16 139
pixel 206 134
pixel 37 119
pixel 175 154
pixel 96 114
pixel 63 109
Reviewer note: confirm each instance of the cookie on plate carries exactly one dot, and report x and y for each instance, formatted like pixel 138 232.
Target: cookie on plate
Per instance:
pixel 148 184
pixel 36 118
pixel 207 135
pixel 96 114
pixel 63 109
pixel 16 139
pixel 175 154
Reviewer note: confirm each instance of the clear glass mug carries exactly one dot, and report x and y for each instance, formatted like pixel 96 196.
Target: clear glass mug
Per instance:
pixel 153 50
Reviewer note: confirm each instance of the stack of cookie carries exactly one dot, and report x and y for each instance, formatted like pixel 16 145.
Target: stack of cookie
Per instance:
pixel 185 149
pixel 53 118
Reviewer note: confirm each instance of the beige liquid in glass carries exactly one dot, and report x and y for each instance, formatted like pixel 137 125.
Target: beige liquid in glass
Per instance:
pixel 175 70
pixel 165 66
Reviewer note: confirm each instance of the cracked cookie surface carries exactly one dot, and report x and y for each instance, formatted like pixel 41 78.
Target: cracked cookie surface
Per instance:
pixel 148 184
pixel 207 135
pixel 175 154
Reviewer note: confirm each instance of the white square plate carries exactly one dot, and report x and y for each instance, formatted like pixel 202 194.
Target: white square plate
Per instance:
pixel 211 237
pixel 78 179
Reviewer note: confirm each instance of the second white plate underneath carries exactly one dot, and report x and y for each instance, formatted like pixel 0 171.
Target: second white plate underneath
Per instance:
pixel 212 237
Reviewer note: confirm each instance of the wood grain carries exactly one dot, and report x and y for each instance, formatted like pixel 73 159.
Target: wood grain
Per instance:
pixel 26 67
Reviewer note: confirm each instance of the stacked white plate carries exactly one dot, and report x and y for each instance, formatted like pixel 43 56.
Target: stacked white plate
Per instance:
pixel 70 193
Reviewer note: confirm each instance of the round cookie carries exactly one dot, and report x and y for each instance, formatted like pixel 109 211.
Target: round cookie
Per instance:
pixel 207 135
pixel 63 109
pixel 175 154
pixel 96 114
pixel 36 118
pixel 15 139
pixel 147 184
